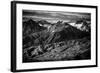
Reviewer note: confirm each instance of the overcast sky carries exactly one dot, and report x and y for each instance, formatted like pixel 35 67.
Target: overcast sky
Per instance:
pixel 54 16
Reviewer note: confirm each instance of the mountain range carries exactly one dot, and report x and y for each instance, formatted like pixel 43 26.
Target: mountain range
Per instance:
pixel 38 34
pixel 57 32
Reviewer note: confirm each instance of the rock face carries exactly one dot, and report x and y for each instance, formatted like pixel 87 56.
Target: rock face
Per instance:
pixel 65 50
pixel 60 41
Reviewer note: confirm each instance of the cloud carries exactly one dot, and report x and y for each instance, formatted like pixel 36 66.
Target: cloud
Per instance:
pixel 54 15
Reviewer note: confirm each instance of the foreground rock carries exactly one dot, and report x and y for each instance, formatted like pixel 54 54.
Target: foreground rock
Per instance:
pixel 67 50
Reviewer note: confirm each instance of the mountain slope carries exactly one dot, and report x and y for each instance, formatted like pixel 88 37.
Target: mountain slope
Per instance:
pixel 31 26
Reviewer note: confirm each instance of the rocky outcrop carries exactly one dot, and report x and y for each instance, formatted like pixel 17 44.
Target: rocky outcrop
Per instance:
pixel 65 50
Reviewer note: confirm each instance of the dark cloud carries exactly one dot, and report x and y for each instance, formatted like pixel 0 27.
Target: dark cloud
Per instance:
pixel 54 15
